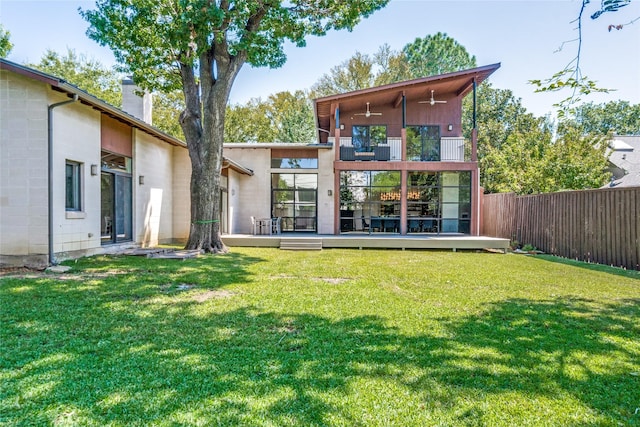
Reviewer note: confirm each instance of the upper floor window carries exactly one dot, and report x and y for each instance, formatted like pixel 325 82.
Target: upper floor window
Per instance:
pixel 73 186
pixel 423 143
pixel 365 137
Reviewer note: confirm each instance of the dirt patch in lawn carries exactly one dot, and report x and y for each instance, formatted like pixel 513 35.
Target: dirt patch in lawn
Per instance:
pixel 217 294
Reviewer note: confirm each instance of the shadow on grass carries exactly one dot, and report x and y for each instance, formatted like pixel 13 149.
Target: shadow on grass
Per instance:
pixel 108 354
pixel 618 271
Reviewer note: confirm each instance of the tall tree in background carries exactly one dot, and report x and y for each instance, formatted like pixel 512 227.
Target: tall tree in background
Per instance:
pixel 291 115
pixel 200 46
pixel 355 73
pixel 5 43
pixel 436 54
pixel 248 122
pixel 619 117
pixel 86 73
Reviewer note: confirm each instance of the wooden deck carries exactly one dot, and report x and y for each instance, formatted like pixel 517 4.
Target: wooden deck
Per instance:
pixel 366 241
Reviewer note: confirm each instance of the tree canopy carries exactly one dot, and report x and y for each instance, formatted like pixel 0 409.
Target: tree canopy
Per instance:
pixel 200 46
pixel 5 42
pixel 86 73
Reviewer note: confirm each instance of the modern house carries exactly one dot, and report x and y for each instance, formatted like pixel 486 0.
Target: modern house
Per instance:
pixel 388 160
pixel 79 176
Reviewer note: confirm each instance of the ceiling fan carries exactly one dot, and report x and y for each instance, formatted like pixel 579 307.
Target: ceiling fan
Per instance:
pixel 368 113
pixel 432 101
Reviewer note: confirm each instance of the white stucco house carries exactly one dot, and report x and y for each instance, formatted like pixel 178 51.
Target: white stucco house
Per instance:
pixel 77 174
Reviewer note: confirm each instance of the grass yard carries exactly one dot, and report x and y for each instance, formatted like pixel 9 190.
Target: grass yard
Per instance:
pixel 263 337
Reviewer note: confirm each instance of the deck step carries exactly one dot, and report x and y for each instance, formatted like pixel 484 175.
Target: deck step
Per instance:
pixel 301 244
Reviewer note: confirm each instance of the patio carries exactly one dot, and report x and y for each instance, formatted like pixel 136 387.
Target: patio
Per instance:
pixel 366 241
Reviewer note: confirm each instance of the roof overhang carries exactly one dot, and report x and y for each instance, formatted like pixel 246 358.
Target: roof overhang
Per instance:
pixel 459 84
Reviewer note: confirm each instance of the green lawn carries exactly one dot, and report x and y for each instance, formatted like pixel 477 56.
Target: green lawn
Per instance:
pixel 263 337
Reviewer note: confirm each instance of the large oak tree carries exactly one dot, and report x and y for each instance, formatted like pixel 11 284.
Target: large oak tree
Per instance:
pixel 199 46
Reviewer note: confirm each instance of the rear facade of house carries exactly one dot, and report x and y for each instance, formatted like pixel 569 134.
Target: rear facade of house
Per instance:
pixel 388 160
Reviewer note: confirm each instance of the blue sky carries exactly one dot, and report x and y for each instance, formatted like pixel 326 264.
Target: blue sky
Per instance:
pixel 522 35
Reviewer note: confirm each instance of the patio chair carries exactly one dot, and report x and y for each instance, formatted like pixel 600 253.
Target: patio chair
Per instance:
pixel 275 225
pixel 253 225
pixel 365 225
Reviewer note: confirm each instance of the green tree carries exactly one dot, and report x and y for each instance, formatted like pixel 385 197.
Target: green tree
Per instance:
pixel 436 54
pixel 618 117
pixel 355 73
pixel 282 117
pixel 200 46
pixel 577 160
pixel 291 115
pixel 248 122
pixel 85 73
pixel 433 54
pixel 166 112
pixel 499 115
pixel 5 43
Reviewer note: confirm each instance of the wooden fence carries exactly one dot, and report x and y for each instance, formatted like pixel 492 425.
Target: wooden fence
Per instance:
pixel 601 226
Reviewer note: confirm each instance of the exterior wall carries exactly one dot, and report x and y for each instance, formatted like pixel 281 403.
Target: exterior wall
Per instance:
pixel 326 201
pixel 76 137
pixel 181 194
pixel 153 201
pixel 23 166
pixel 251 195
pixel 160 206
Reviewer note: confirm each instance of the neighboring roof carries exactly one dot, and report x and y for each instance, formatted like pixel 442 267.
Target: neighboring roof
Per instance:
pixel 625 156
pixel 65 87
pixel 618 144
pixel 459 82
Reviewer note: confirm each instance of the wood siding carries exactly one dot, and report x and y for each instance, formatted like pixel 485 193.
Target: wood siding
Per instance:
pixel 116 136
pixel 601 226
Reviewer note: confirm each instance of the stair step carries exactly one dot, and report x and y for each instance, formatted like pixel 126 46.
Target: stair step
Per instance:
pixel 301 244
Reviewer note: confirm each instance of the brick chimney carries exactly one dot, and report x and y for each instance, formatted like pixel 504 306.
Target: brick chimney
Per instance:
pixel 134 104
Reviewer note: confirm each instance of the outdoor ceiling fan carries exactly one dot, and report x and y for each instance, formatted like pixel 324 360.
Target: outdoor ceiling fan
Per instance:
pixel 432 101
pixel 368 113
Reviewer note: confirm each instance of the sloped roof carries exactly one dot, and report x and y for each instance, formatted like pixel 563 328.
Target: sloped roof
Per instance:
pixel 86 98
pixel 459 82
pixel 625 156
pixel 63 86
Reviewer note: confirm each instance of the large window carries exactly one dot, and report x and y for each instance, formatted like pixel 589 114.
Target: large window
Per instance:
pixel 423 143
pixel 73 186
pixel 439 202
pixel 294 200
pixel 294 163
pixel 370 201
pixel 364 138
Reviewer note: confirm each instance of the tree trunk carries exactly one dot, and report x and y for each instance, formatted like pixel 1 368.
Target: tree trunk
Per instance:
pixel 203 126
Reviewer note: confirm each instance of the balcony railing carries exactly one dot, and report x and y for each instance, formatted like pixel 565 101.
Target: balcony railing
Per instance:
pixel 451 150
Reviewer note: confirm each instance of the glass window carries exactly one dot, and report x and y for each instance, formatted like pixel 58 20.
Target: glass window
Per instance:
pixel 365 137
pixel 294 200
pixel 370 201
pixel 439 202
pixel 293 163
pixel 73 186
pixel 423 143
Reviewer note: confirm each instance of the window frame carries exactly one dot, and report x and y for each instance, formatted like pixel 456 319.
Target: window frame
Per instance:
pixel 74 186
